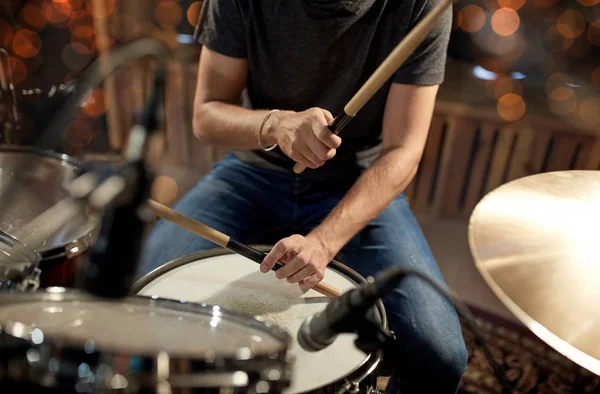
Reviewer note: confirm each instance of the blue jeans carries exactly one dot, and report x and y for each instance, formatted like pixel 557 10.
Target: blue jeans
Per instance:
pixel 259 206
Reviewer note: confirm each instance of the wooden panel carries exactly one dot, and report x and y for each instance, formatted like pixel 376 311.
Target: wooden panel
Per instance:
pixel 461 136
pixel 177 118
pixel 562 153
pixel 444 176
pixel 520 156
pixel 481 159
pixel 589 155
pixel 541 140
pixel 500 158
pixel 428 164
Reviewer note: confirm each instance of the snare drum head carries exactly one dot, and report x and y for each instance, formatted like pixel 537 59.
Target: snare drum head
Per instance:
pixel 139 326
pixel 235 283
pixel 30 183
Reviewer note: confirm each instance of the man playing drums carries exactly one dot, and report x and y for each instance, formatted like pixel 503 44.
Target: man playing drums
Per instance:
pixel 298 60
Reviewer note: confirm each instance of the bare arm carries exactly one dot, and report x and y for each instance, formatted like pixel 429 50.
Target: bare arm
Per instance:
pixel 406 122
pixel 220 120
pixel 218 117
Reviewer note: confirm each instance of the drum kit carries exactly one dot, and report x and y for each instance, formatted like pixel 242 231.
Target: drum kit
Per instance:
pixel 72 320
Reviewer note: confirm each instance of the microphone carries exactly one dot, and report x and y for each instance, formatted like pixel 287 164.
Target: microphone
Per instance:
pixel 352 312
pixel 343 315
pixel 114 256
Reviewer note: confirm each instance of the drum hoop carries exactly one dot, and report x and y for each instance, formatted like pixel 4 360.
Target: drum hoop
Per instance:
pixel 79 244
pixel 370 362
pixel 29 276
pixel 59 345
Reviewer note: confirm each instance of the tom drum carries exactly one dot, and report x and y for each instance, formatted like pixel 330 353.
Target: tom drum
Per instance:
pixel 235 283
pixel 32 181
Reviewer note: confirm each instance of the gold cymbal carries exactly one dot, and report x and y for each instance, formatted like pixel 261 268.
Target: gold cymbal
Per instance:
pixel 536 242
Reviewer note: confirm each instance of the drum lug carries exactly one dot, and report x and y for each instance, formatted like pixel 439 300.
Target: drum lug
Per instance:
pixel 350 387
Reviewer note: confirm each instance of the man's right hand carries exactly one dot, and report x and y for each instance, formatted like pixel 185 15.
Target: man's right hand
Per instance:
pixel 303 136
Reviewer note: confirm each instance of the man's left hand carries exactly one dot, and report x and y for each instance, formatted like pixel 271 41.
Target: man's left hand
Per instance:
pixel 305 260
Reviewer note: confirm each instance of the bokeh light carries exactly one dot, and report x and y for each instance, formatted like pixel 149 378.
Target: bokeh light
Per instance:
pixel 588 3
pixel 472 18
pixel 164 189
pixel 168 14
pixel 589 111
pixel 193 12
pixel 96 104
pixel 511 107
pixel 505 21
pixel 571 24
pixel 511 4
pixel 26 43
pixel 57 12
pixel 32 15
pixel 593 33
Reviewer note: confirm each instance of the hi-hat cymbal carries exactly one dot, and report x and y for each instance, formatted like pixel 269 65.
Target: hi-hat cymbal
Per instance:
pixel 536 242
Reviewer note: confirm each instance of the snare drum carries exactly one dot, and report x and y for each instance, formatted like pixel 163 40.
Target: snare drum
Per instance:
pixel 63 341
pixel 235 283
pixel 31 182
pixel 18 266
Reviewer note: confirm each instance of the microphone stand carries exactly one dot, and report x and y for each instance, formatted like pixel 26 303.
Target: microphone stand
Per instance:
pixel 114 257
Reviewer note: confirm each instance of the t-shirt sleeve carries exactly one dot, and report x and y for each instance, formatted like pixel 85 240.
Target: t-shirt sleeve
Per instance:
pixel 427 64
pixel 223 30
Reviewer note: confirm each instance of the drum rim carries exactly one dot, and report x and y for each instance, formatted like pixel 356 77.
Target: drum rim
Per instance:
pixel 370 362
pixel 62 294
pixel 79 244
pixel 62 346
pixel 29 275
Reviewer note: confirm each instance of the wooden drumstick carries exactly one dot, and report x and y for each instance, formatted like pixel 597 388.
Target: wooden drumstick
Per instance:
pixel 225 241
pixel 389 66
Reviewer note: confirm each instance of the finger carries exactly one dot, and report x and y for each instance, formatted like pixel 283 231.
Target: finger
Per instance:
pixel 324 133
pixel 279 250
pixel 327 137
pixel 292 267
pixel 328 116
pixel 311 281
pixel 299 157
pixel 318 148
pixel 304 273
pixel 310 155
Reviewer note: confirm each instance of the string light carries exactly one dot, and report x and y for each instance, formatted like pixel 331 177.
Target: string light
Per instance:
pixel 193 12
pixel 511 107
pixel 472 18
pixel 505 21
pixel 571 24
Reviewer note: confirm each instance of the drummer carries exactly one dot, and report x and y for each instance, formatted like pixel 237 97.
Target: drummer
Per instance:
pixel 301 60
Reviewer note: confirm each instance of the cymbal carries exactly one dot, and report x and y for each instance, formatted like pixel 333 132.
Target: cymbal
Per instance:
pixel 536 242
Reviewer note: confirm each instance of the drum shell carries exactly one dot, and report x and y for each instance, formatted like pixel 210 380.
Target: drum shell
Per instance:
pixel 363 378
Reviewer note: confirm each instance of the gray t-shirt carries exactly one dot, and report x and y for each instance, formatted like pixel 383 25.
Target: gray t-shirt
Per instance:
pixel 318 53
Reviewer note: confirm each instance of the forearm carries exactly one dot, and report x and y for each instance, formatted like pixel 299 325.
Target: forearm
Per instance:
pixel 228 125
pixel 368 197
